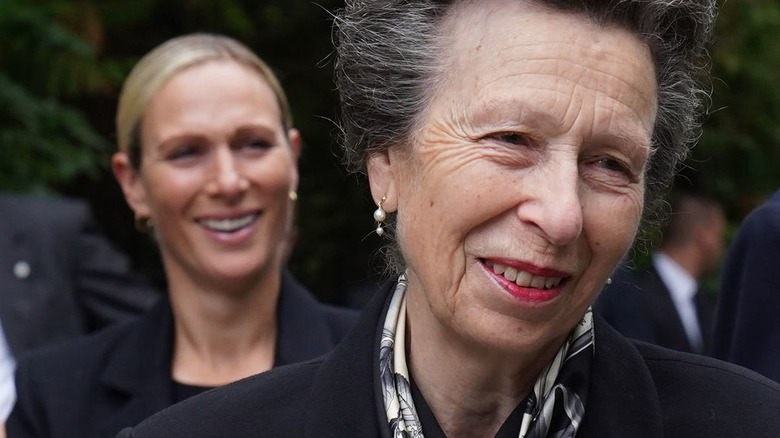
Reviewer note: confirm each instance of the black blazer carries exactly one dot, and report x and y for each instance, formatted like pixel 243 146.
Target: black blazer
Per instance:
pixel 95 386
pixel 639 305
pixel 748 325
pixel 59 277
pixel 637 390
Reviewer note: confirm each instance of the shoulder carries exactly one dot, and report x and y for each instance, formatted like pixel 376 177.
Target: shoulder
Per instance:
pixel 241 408
pixel 764 219
pixel 297 303
pixel 34 207
pixel 339 319
pixel 698 393
pixel 75 361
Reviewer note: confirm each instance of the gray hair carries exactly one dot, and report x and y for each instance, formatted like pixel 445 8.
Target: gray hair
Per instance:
pixel 386 70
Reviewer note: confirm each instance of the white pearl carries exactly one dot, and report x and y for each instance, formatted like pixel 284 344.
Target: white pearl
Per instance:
pixel 379 215
pixel 379 230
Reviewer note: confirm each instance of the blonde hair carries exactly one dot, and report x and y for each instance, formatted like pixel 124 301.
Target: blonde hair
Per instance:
pixel 170 58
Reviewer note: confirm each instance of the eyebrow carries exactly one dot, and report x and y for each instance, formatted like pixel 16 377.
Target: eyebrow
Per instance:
pixel 502 113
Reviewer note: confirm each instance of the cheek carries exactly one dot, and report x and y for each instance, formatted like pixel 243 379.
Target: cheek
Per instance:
pixel 611 227
pixel 169 191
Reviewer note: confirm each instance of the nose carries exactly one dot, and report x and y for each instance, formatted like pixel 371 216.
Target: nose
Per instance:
pixel 555 204
pixel 227 180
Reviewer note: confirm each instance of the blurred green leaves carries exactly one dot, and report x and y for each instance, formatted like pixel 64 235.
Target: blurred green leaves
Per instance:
pixel 44 141
pixel 738 157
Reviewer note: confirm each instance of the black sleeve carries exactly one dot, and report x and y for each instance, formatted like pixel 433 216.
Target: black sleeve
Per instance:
pixel 747 329
pixel 27 418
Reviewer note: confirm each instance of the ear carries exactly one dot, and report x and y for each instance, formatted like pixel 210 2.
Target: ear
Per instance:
pixel 129 180
pixel 294 138
pixel 381 178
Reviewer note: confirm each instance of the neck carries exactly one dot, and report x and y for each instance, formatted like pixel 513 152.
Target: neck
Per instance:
pixel 221 335
pixel 477 388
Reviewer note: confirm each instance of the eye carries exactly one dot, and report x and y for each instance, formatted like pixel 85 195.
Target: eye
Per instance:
pixel 613 165
pixel 185 151
pixel 251 143
pixel 513 138
pixel 614 170
pixel 257 143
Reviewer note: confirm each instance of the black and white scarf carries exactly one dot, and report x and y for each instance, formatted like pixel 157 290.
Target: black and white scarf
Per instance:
pixel 553 410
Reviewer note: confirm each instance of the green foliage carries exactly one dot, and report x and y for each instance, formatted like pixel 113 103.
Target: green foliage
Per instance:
pixel 44 141
pixel 738 157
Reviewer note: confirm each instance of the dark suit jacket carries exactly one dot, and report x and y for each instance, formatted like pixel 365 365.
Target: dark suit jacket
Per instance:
pixel 748 324
pixel 95 386
pixel 637 391
pixel 59 277
pixel 639 305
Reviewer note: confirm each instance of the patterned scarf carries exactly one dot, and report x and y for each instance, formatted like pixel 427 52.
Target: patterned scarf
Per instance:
pixel 553 410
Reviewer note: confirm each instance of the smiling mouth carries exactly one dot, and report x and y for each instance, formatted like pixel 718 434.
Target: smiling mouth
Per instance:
pixel 229 225
pixel 523 278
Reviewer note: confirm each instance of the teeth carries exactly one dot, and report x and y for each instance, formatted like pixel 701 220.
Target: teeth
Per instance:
pixel 525 279
pixel 228 225
pixel 510 274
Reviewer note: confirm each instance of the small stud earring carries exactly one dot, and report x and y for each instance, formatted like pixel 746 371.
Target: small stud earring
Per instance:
pixel 609 281
pixel 379 216
pixel 143 224
pixel 293 195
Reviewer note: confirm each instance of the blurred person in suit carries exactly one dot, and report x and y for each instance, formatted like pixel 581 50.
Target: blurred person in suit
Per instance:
pixel 59 278
pixel 662 303
pixel 747 329
pixel 207 160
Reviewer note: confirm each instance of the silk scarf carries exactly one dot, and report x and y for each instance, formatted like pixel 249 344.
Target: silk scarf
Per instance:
pixel 554 409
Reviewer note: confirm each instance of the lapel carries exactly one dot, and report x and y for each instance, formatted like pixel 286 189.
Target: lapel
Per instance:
pixel 664 316
pixel 344 393
pixel 303 331
pixel 139 371
pixel 622 400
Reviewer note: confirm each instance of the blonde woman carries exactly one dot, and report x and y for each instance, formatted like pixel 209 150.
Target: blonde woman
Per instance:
pixel 207 160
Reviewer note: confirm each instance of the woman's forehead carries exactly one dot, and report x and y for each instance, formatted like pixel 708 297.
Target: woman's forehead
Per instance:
pixel 516 60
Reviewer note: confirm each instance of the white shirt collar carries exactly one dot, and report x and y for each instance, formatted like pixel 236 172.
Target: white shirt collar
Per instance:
pixel 679 282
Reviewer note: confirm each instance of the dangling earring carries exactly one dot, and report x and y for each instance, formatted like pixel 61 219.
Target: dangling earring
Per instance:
pixel 379 216
pixel 609 281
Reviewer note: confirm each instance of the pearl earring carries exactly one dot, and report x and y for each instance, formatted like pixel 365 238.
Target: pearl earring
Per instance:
pixel 609 281
pixel 379 216
pixel 293 195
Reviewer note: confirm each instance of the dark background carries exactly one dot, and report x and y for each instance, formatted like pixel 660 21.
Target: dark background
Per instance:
pixel 62 64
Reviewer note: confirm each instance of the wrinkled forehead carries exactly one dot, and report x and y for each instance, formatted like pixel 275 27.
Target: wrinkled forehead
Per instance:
pixel 488 49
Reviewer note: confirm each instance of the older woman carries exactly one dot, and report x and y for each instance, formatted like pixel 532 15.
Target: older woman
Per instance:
pixel 517 144
pixel 208 161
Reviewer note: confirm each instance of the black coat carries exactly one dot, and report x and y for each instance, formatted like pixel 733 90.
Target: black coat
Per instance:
pixel 95 386
pixel 59 277
pixel 748 323
pixel 637 391
pixel 639 305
